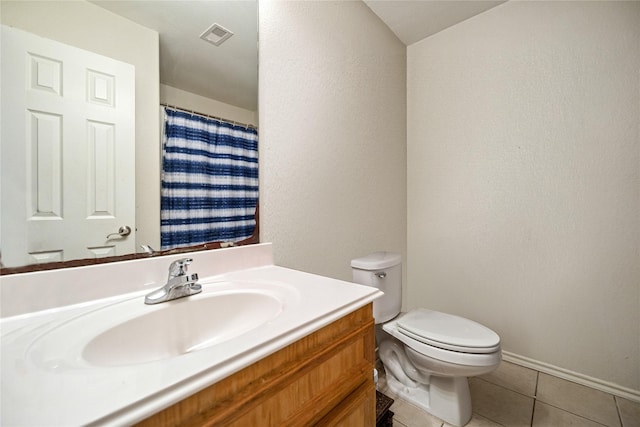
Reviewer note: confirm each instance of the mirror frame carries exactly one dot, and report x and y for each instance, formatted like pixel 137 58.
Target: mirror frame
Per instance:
pixel 254 239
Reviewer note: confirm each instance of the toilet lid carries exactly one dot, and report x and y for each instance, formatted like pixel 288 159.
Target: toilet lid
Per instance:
pixel 448 331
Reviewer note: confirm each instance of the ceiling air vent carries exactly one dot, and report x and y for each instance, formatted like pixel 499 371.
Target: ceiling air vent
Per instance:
pixel 216 34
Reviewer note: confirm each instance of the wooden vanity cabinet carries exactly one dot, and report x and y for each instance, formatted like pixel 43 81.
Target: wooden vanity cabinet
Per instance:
pixel 325 378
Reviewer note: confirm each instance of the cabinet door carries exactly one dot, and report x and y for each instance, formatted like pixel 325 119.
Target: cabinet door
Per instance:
pixel 325 378
pixel 358 410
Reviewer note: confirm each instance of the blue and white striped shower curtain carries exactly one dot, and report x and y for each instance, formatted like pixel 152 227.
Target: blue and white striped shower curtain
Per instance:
pixel 209 181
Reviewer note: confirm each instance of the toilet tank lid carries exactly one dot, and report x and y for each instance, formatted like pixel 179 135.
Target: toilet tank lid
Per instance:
pixel 377 261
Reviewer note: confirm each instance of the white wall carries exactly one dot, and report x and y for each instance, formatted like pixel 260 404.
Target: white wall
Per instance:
pixel 332 135
pixel 86 26
pixel 524 181
pixel 193 102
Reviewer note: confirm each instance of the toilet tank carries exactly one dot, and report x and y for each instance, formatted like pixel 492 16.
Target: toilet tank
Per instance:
pixel 382 270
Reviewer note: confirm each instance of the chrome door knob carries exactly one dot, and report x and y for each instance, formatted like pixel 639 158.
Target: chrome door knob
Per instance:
pixel 123 231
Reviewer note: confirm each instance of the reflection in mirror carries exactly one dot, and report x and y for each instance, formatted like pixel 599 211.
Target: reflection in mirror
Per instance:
pixel 209 180
pixel 160 41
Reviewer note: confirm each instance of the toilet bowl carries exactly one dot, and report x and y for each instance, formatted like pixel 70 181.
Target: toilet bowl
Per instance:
pixel 427 355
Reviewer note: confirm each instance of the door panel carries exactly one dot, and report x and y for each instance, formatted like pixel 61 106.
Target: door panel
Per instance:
pixel 67 152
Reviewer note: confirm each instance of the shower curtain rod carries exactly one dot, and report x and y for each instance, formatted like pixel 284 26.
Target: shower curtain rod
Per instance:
pixel 209 116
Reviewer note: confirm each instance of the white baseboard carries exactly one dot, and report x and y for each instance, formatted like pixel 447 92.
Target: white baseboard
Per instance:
pixel 615 389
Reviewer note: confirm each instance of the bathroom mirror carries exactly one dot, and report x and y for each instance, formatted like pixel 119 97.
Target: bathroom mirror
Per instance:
pixel 187 64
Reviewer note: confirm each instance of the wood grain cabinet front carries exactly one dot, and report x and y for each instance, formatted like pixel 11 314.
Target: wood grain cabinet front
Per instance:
pixel 325 378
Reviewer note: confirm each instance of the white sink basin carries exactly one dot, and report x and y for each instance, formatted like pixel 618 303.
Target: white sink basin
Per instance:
pixel 130 332
pixel 181 326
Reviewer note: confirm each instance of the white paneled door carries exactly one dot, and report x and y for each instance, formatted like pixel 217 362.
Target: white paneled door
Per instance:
pixel 67 152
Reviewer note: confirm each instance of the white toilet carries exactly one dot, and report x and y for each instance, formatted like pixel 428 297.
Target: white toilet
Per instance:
pixel 427 355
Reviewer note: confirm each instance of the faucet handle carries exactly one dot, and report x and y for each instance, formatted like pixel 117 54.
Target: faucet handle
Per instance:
pixel 179 267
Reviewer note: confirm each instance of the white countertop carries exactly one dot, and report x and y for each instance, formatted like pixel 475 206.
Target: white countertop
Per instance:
pixel 36 391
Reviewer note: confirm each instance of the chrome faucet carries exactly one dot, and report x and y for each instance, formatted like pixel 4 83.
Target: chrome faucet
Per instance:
pixel 179 284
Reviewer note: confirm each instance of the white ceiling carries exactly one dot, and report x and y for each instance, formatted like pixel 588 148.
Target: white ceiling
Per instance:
pixel 229 73
pixel 414 20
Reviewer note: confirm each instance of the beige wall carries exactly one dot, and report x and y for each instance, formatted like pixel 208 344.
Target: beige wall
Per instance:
pixel 86 26
pixel 193 102
pixel 524 181
pixel 332 135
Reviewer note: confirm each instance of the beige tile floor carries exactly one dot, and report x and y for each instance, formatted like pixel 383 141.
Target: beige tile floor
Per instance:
pixel 517 396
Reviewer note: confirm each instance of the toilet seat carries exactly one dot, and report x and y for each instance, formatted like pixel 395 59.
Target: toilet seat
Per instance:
pixel 448 332
pixel 475 358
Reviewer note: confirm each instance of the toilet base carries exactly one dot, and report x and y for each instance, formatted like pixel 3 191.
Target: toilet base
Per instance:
pixel 447 398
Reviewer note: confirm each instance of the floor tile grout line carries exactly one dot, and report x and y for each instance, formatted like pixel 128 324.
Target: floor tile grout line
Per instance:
pixel 506 388
pixel 535 401
pixel 533 411
pixel 574 414
pixel 535 397
pixel 615 399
